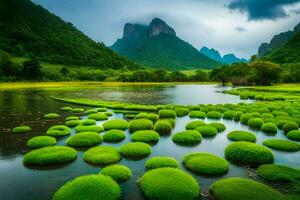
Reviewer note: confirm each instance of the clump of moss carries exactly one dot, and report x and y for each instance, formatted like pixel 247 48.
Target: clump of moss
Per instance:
pixel 155 184
pixel 89 187
pixel 120 124
pixel 119 173
pixel 207 131
pixel 163 127
pixel 239 188
pixel 72 118
pixel 151 116
pixel 84 139
pixel 147 136
pixel 294 135
pixel 269 127
pixel 229 114
pixel 290 126
pixel 88 122
pixel 72 123
pixel 102 109
pixel 91 128
pixel 282 145
pixel 249 153
pixel 67 108
pixel 255 123
pixel 50 155
pixel 108 114
pixel 167 114
pixel 237 115
pixel 135 150
pixel 114 135
pixel 205 164
pixel 241 136
pixel 90 111
pixel 140 124
pixel 161 162
pixel 21 129
pixel 51 116
pixel 102 155
pixel 41 141
pixel 194 124
pixel 180 111
pixel 98 116
pixel 214 115
pixel 278 173
pixel 219 126
pixel 77 110
pixel 244 118
pixel 58 131
pixel 187 137
pixel 197 114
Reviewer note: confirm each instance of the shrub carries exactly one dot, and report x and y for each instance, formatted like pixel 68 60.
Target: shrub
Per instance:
pixel 194 124
pixel 84 139
pixel 91 128
pixel 114 135
pixel 98 116
pixel 166 114
pixel 88 122
pixel 205 164
pixel 282 145
pixel 58 131
pixel 119 173
pixel 151 116
pixel 102 155
pixel 229 114
pixel 120 124
pixel 135 150
pixel 294 135
pixel 269 127
pixel 290 126
pixel 147 136
pixel 241 136
pixel 249 153
pixel 239 188
pixel 140 124
pixel 51 115
pixel 72 123
pixel 278 173
pixel 207 131
pixel 89 187
pixel 180 112
pixel 67 108
pixel 21 129
pixel 187 137
pixel 255 123
pixel 197 114
pixel 72 118
pixel 50 155
pixel 169 183
pixel 219 126
pixel 163 127
pixel 41 141
pixel 214 115
pixel 161 162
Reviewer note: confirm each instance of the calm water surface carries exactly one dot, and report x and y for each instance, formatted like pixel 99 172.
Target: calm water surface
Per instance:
pixel 18 182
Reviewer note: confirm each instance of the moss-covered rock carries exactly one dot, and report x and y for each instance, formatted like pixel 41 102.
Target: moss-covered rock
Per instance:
pixel 84 139
pixel 151 116
pixel 255 122
pixel 41 141
pixel 77 110
pixel 278 173
pixel 140 124
pixel 98 116
pixel 91 128
pixel 241 136
pixel 167 114
pixel 197 114
pixel 51 116
pixel 72 123
pixel 147 136
pixel 21 129
pixel 88 122
pixel 194 124
pixel 58 131
pixel 269 127
pixel 114 135
pixel 72 118
pixel 102 155
pixel 282 145
pixel 120 124
pixel 219 126
pixel 294 135
pixel 181 111
pixel 207 131
pixel 214 115
pixel 67 108
pixel 163 127
pixel 90 111
pixel 229 114
pixel 289 126
pixel 135 150
pixel 161 162
pixel 119 173
pixel 188 137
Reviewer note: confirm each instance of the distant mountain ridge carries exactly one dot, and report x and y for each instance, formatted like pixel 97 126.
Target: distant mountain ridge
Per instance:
pixel 158 46
pixel 226 59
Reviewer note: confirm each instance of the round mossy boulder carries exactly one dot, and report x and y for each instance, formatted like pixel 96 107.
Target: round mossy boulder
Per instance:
pixel 207 131
pixel 41 141
pixel 147 136
pixel 294 135
pixel 167 114
pixel 89 187
pixel 153 117
pixel 241 136
pixel 51 116
pixel 214 115
pixel 58 131
pixel 243 189
pixel 67 108
pixel 237 115
pixel 119 173
pixel 246 152
pixel 114 135
pixel 229 114
pixel 21 129
pixel 255 123
pixel 205 164
pixel 219 126
pixel 282 145
pixel 140 124
pixel 244 118
pixel 98 116
pixel 269 127
pixel 90 128
pixel 161 162
pixel 187 137
pixel 90 111
pixel 102 155
pixel 73 123
pixel 169 183
pixel 50 155
pixel 72 118
pixel 194 124
pixel 84 139
pixel 102 109
pixel 197 114
pixel 289 126
pixel 88 122
pixel 120 124
pixel 278 173
pixel 180 111
pixel 135 150
pixel 77 110
pixel 163 127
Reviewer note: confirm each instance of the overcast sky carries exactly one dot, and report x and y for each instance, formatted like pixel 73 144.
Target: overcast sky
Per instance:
pixel 230 26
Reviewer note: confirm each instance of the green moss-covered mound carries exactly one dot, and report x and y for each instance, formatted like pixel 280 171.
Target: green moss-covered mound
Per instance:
pixel 249 153
pixel 114 135
pixel 214 115
pixel 187 137
pixel 84 139
pixel 278 173
pixel 163 127
pixel 102 109
pixel 119 173
pixel 147 136
pixel 91 128
pixel 153 117
pixel 219 126
pixel 241 136
pixel 72 118
pixel 161 162
pixel 102 155
pixel 135 150
pixel 98 116
pixel 73 123
pixel 90 111
pixel 180 111
pixel 229 114
pixel 197 114
pixel 255 123
pixel 89 187
pixel 169 183
pixel 294 135
pixel 88 122
pixel 51 116
pixel 205 164
pixel 140 124
pixel 194 124
pixel 243 189
pixel 120 124
pixel 58 131
pixel 269 127
pixel 41 141
pixel 67 108
pixel 167 114
pixel 50 155
pixel 77 110
pixel 290 126
pixel 21 129
pixel 282 145
pixel 207 131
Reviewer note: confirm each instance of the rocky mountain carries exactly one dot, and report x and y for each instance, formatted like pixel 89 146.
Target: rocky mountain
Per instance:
pixel 226 59
pixel 158 46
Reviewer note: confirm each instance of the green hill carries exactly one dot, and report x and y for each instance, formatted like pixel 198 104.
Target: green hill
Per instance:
pixel 28 30
pixel 158 46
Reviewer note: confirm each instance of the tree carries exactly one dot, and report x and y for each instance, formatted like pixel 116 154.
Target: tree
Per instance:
pixel 220 74
pixel 265 72
pixel 141 76
pixel 32 70
pixel 177 76
pixel 160 75
pixel 64 71
pixel 200 75
pixel 8 68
